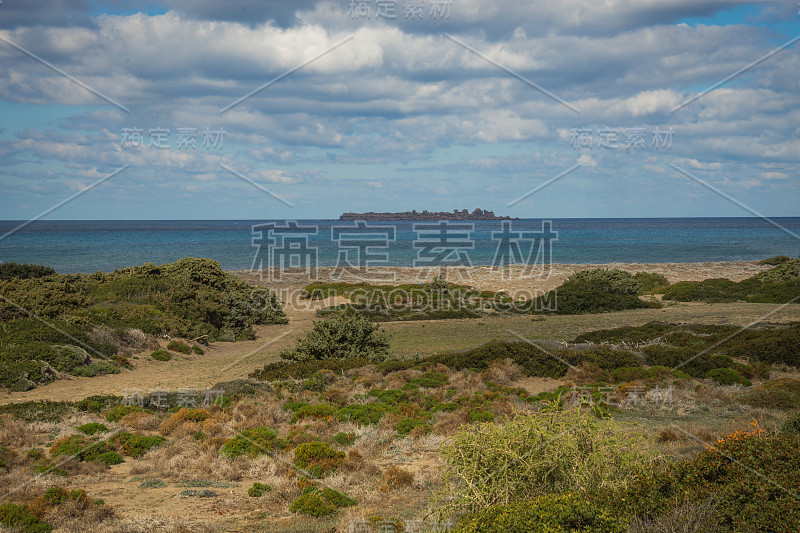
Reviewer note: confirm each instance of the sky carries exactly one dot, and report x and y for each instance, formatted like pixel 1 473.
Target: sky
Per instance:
pixel 205 109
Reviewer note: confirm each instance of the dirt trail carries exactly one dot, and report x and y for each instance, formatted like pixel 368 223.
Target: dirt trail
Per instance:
pixel 221 362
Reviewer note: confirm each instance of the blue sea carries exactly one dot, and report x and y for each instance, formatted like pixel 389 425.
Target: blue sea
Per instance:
pixel 88 246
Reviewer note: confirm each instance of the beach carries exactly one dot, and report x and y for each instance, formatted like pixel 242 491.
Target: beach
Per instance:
pixel 484 277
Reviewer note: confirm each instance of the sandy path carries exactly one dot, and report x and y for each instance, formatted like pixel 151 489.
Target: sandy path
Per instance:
pixel 221 362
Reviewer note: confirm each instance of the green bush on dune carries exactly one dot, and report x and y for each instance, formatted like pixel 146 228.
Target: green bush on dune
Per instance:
pixel 780 284
pixel 191 298
pixel 341 337
pixel 594 291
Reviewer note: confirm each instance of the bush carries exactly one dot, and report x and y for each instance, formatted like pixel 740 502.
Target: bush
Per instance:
pixel 792 425
pixel 21 518
pixel 775 260
pixel 179 347
pixel 317 502
pixel 727 376
pixel 110 458
pixel 190 298
pixel 362 414
pixel 253 442
pixel 551 513
pixel 161 355
pixel 258 490
pixel 195 493
pixel 341 337
pixel 71 445
pixel 317 458
pixel 779 284
pixel 312 504
pixel 197 350
pixel 100 368
pixel 92 428
pixel 154 483
pixel 305 369
pixel 405 425
pixel 24 271
pixel 344 439
pixel 651 283
pixel 744 501
pixel 116 413
pixel 783 393
pixel 320 411
pixel 136 445
pixel 534 455
pixel 594 291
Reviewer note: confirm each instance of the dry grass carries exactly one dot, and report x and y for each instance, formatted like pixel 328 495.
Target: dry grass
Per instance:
pixel 503 373
pixel 139 421
pixel 395 477
pixel 586 373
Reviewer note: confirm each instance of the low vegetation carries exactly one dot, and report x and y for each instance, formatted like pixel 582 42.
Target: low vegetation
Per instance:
pixel 780 284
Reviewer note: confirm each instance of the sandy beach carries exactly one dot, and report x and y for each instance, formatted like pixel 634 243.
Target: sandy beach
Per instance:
pixel 512 279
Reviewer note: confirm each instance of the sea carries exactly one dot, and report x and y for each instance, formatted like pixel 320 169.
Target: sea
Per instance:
pixel 72 246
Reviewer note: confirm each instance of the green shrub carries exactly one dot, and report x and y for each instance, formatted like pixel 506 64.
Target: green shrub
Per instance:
pixel 258 490
pixel 21 518
pixel 320 411
pixel 116 413
pixel 779 284
pixel 362 414
pixel 404 426
pixel 195 493
pixel 341 337
pixel 98 403
pixel 783 393
pixel 337 498
pixel 12 270
pixel 481 416
pixel 593 291
pixel 71 445
pixel 534 455
pixel 312 504
pixel 99 368
pixel 179 347
pixel 727 376
pixel 197 350
pixel 253 442
pixel 192 298
pixel 651 283
pixel 317 458
pixel 792 425
pixel 743 501
pixel 305 369
pixel 56 495
pixel 551 513
pixel 153 483
pixel 344 439
pixel 161 355
pixel 110 458
pixel 775 260
pixel 136 445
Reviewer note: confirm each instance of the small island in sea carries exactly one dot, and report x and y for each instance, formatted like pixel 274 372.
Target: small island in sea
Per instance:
pixel 476 214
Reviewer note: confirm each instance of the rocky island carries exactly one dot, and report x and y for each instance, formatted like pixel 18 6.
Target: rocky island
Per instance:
pixel 477 214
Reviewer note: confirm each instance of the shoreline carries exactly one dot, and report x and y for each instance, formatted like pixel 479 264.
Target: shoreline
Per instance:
pixel 486 277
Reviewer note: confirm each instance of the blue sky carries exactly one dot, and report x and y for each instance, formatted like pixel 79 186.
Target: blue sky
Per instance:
pixel 459 104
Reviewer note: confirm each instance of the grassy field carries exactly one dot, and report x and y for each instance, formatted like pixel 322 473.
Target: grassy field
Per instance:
pixel 428 337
